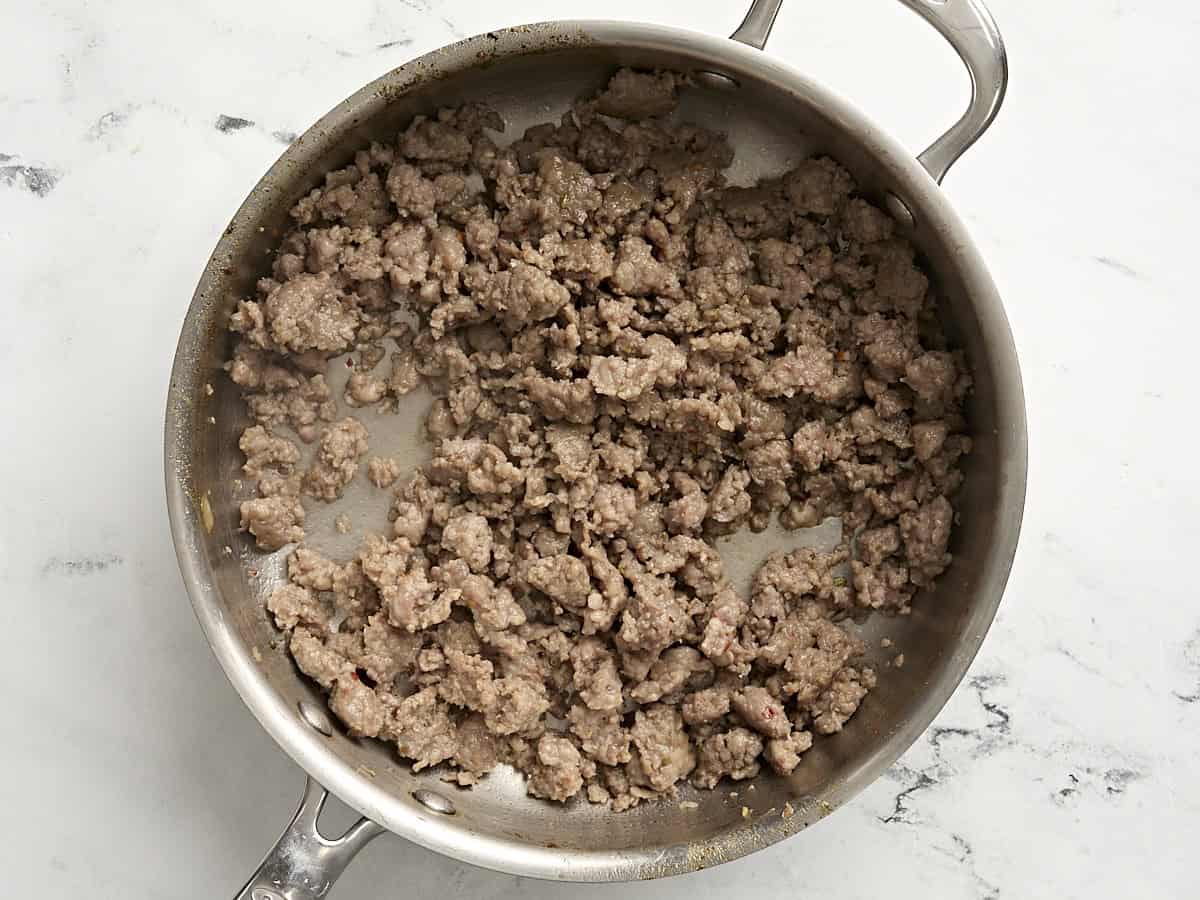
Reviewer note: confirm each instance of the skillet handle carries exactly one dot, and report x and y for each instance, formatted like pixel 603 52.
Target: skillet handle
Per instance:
pixel 304 864
pixel 973 34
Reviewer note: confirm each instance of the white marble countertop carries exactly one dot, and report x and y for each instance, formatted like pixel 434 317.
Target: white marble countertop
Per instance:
pixel 1068 763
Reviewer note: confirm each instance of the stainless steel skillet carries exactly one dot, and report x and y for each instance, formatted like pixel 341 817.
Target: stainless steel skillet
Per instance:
pixel 774 115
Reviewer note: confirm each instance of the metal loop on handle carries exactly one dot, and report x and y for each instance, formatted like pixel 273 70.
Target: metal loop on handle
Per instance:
pixel 304 864
pixel 973 34
pixel 970 30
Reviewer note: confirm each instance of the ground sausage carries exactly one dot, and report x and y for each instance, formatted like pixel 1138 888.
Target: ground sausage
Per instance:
pixel 629 360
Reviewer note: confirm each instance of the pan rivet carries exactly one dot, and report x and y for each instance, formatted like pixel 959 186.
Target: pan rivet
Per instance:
pixel 717 80
pixel 434 801
pixel 315 717
pixel 899 210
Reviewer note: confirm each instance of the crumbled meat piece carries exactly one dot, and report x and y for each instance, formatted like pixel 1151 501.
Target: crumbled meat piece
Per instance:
pixel 638 95
pixel 883 587
pixel 730 503
pixel 664 752
pixel 638 273
pixel 927 437
pixel 316 660
pixel 475 750
pixel 818 186
pixel 342 445
pixel 625 379
pixel 421 727
pixel 655 616
pixel 292 605
pixel 405 375
pixel 467 681
pixel 926 532
pixel 523 293
pixel 719 641
pixel 357 705
pixel 734 753
pixel 876 544
pixel 382 471
pixel 588 261
pixel 688 512
pixel 614 508
pixel 932 375
pixel 628 360
pixel 266 451
pixel 519 706
pixel 310 569
pixel 573 401
pixel 412 601
pixel 492 607
pixel 562 578
pixel 274 521
pixel 365 389
pixel 387 651
pixel 557 774
pixel 707 705
pixel 308 312
pixel 302 403
pixel 677 669
pixel 783 754
pixel 596 678
pixel 470 538
pixel 600 735
pixel 481 466
pixel 762 712
pixel 841 699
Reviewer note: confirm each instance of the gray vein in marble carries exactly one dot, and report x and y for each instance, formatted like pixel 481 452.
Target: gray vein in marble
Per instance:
pixel 1118 266
pixel 1109 782
pixel 920 781
pixel 226 124
pixel 1191 659
pixel 1116 780
pixel 374 48
pixel 88 564
pixel 424 7
pixel 1063 650
pixel 230 124
pixel 937 734
pixel 1070 789
pixel 981 742
pixel 107 123
pixel 37 180
pixel 964 855
pixel 983 683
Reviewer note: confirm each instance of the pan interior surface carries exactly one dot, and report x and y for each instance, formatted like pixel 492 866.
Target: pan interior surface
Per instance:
pixel 773 118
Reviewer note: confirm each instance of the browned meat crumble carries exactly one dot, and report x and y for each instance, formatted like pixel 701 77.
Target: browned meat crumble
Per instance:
pixel 630 359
